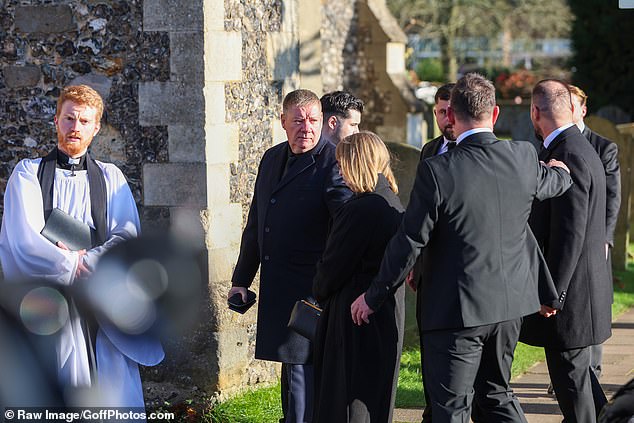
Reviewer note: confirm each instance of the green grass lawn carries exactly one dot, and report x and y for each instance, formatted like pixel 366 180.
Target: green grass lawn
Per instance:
pixel 263 405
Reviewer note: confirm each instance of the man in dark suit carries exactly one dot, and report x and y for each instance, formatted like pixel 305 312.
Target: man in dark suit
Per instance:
pixel 342 115
pixel 571 232
pixel 468 213
pixel 608 152
pixel 439 145
pixel 297 191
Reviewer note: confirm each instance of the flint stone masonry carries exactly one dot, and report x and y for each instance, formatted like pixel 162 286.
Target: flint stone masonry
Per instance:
pixel 44 19
pixel 21 76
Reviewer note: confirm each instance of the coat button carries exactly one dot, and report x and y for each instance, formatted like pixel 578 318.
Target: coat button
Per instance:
pixel 266 258
pixel 267 229
pixel 273 200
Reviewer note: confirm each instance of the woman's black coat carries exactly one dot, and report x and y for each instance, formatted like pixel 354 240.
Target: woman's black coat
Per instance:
pixel 356 367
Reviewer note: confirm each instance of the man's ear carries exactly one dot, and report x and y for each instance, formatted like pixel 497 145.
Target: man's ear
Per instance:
pixel 584 111
pixel 495 115
pixel 534 112
pixel 97 128
pixel 332 122
pixel 282 121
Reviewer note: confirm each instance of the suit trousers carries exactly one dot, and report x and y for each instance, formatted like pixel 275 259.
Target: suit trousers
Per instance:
pixel 472 363
pixel 297 393
pixel 570 375
pixel 427 410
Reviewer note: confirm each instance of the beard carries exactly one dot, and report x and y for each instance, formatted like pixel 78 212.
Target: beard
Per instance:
pixel 448 133
pixel 72 148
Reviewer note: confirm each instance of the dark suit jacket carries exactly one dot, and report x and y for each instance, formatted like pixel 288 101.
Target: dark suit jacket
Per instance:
pixel 609 154
pixel 431 148
pixel 285 235
pixel 468 210
pixel 571 231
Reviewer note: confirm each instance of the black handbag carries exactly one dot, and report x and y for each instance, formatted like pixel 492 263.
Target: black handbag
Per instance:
pixel 304 319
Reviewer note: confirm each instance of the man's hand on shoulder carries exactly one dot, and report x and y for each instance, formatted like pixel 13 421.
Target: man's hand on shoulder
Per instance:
pixel 557 163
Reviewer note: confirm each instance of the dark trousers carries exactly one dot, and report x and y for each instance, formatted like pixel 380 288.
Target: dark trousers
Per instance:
pixel 463 364
pixel 427 409
pixel 297 393
pixel 570 375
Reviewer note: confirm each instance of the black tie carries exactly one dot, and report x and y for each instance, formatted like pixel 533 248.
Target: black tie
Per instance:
pixel 451 145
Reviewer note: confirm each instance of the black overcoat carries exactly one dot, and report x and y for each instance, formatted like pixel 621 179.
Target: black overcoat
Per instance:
pixel 571 230
pixel 285 236
pixel 355 366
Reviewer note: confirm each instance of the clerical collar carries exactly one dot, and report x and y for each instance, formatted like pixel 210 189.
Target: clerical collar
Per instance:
pixel 64 161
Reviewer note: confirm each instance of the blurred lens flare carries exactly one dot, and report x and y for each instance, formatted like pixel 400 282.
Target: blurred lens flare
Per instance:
pixel 118 295
pixel 148 276
pixel 43 311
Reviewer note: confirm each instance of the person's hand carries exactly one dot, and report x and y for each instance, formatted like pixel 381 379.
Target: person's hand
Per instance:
pixel 82 269
pixel 238 290
pixel 557 163
pixel 360 311
pixel 409 279
pixel 547 311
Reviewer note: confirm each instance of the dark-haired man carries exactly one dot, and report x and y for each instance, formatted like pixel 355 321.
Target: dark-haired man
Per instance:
pixel 297 191
pixel 571 232
pixel 447 140
pixel 342 115
pixel 468 214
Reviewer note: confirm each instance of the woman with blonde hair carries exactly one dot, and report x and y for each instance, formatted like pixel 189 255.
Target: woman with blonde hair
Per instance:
pixel 356 367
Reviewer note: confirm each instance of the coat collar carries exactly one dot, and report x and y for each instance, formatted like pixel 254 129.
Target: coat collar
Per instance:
pixel 478 138
pixel 303 162
pixel 561 138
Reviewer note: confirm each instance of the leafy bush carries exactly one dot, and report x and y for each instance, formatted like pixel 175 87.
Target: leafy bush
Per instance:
pixel 429 70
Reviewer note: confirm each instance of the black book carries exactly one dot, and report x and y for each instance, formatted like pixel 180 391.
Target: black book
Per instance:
pixel 60 226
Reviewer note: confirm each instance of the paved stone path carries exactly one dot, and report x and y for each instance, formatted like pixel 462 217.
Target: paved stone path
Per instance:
pixel 530 388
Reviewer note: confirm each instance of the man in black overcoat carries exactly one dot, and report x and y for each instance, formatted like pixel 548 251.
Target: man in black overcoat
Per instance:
pixel 297 191
pixel 468 212
pixel 608 152
pixel 439 145
pixel 571 232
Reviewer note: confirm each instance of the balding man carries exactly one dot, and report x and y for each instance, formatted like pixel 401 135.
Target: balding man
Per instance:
pixel 571 231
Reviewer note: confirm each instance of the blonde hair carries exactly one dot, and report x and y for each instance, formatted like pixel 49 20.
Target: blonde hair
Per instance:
pixel 576 91
pixel 82 95
pixel 361 158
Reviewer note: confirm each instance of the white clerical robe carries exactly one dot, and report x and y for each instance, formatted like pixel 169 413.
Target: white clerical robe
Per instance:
pixel 26 254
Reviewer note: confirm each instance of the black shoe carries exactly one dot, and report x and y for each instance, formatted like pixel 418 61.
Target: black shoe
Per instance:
pixel 550 390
